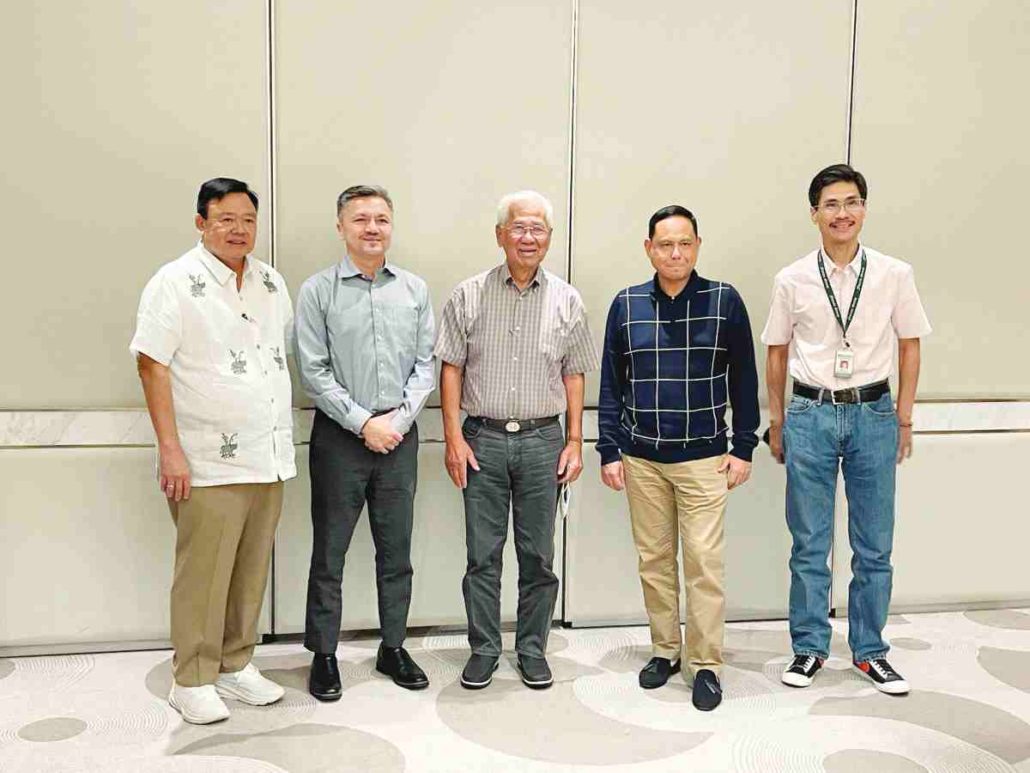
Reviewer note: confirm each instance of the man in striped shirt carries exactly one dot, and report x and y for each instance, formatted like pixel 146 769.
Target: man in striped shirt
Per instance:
pixel 677 351
pixel 514 346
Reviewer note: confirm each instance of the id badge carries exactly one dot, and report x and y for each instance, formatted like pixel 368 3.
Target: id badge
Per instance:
pixel 843 363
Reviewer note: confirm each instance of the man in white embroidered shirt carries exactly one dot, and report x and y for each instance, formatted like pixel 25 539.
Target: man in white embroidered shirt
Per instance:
pixel 210 345
pixel 835 317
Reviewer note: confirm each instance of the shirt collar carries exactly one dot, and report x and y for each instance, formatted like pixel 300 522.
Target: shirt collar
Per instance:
pixel 221 272
pixel 689 289
pixel 853 266
pixel 538 280
pixel 346 268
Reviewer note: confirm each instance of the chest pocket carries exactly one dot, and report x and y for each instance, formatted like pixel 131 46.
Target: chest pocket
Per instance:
pixel 398 326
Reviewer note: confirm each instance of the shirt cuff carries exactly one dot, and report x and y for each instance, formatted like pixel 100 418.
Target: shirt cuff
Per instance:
pixel 743 452
pixel 610 455
pixel 355 419
pixel 401 422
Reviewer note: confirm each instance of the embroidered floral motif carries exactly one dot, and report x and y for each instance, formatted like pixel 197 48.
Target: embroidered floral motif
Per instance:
pixel 278 358
pixel 266 279
pixel 229 446
pixel 197 286
pixel 239 362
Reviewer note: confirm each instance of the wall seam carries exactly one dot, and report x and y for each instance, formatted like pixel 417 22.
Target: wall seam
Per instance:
pixel 849 118
pixel 272 233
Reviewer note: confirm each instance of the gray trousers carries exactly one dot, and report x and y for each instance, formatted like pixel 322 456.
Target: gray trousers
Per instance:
pixel 521 470
pixel 344 476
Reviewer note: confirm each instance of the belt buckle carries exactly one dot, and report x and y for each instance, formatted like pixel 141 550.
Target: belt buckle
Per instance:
pixel 849 395
pixel 512 426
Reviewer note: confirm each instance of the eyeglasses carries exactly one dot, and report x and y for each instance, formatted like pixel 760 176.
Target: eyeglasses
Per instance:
pixel 536 231
pixel 230 223
pixel 832 206
pixel 667 248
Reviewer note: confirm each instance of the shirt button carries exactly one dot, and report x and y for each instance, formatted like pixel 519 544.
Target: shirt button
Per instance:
pixel 259 346
pixel 513 389
pixel 515 358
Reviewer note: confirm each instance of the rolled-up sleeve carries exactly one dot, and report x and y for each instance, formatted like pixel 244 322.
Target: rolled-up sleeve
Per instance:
pixel 422 380
pixel 779 327
pixel 580 352
pixel 909 318
pixel 452 339
pixel 314 364
pixel 158 321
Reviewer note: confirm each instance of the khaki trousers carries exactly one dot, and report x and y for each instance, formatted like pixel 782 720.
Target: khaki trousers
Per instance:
pixel 688 499
pixel 223 544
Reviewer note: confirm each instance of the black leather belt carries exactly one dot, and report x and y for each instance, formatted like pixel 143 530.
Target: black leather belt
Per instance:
pixel 862 394
pixel 514 425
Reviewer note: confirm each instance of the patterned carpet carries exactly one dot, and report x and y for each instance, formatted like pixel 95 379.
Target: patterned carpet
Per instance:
pixel 969 710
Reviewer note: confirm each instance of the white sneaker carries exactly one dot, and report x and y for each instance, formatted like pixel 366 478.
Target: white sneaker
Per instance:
pixel 198 705
pixel 249 686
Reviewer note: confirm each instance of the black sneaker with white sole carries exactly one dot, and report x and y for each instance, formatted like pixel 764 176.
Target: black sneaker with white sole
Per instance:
pixel 801 670
pixel 883 676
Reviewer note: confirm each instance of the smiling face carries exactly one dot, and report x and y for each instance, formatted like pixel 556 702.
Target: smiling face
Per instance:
pixel 839 215
pixel 230 228
pixel 366 227
pixel 526 236
pixel 673 249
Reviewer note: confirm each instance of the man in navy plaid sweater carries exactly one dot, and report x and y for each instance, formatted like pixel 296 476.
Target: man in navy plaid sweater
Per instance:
pixel 677 352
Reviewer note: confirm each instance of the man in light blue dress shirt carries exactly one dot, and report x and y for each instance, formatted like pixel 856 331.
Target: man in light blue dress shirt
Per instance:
pixel 364 339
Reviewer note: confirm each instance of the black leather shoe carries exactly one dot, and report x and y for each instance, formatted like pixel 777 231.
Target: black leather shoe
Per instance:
pixel 324 680
pixel 535 672
pixel 657 672
pixel 707 690
pixel 478 672
pixel 396 663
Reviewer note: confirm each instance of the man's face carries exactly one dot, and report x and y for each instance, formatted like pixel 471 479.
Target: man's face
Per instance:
pixel 839 214
pixel 526 236
pixel 230 228
pixel 366 227
pixel 673 248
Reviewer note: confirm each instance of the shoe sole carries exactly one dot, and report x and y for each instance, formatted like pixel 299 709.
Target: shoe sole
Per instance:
pixel 325 697
pixel 887 688
pixel 478 685
pixel 245 697
pixel 192 718
pixel 796 680
pixel 708 708
pixel 406 686
pixel 536 684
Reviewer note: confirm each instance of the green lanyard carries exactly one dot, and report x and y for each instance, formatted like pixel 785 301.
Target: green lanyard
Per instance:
pixel 844 325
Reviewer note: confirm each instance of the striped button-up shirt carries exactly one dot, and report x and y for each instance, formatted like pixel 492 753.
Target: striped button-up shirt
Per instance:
pixel 515 345
pixel 365 346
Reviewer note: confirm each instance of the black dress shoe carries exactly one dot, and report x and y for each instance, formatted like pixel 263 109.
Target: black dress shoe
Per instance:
pixel 657 672
pixel 324 680
pixel 478 672
pixel 535 672
pixel 396 663
pixel 707 690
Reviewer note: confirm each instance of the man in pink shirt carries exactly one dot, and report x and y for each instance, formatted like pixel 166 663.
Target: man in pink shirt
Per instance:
pixel 835 317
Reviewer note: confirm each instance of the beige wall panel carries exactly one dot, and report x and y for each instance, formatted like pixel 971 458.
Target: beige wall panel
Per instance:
pixel 437 555
pixel 449 105
pixel 938 131
pixel 961 529
pixel 726 111
pixel 601 562
pixel 114 113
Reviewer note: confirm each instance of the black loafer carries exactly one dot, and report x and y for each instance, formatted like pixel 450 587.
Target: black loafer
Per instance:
pixel 397 664
pixel 478 672
pixel 324 680
pixel 657 672
pixel 707 690
pixel 535 672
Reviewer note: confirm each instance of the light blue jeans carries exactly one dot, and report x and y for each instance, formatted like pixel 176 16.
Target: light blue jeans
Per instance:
pixel 863 439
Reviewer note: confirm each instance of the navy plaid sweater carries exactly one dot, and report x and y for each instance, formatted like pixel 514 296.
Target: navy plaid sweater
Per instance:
pixel 670 368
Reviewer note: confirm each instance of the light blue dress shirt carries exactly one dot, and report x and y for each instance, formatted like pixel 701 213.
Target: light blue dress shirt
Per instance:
pixel 365 346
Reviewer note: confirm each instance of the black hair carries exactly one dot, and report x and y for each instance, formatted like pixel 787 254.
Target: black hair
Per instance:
pixel 218 188
pixel 673 210
pixel 838 173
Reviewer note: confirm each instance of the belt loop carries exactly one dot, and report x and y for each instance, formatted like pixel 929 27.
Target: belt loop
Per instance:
pixel 820 399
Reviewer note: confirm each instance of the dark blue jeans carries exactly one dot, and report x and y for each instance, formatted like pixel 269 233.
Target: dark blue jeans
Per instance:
pixel 520 470
pixel 862 439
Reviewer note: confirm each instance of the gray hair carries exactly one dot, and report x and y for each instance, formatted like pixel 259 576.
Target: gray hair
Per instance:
pixel 520 197
pixel 362 192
